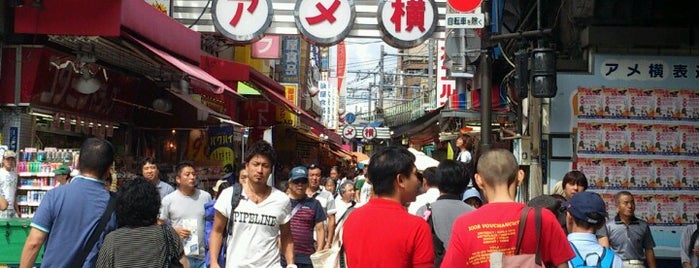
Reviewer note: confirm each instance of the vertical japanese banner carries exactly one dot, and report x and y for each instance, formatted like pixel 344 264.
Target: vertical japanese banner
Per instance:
pixel 291 62
pixel 341 64
pixel 220 145
pixel 285 116
pixel 445 87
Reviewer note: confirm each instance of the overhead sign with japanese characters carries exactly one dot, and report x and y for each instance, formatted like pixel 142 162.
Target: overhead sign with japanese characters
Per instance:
pixel 291 61
pixel 324 22
pixel 367 133
pixel 242 20
pixel 465 21
pixel 407 23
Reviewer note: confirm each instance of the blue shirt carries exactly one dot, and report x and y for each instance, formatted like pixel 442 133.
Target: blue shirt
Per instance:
pixel 164 189
pixel 68 214
pixel 587 243
pixel 631 241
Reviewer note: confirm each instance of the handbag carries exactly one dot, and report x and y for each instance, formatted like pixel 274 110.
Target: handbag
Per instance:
pixel 331 257
pixel 171 260
pixel 525 260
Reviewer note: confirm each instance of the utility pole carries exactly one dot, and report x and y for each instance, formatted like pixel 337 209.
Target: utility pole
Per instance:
pixel 486 84
pixel 430 71
pixel 379 105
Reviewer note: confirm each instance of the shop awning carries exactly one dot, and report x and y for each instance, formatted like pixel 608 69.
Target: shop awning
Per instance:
pixel 230 71
pixel 192 70
pixel 205 113
pixel 109 19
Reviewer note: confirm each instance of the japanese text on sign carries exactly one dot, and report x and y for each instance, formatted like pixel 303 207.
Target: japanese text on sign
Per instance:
pixel 290 59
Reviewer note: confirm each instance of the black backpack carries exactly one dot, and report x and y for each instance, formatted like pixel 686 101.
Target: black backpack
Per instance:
pixel 437 243
pixel 693 240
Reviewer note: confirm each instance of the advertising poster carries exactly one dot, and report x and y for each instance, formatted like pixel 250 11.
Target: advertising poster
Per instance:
pixel 220 145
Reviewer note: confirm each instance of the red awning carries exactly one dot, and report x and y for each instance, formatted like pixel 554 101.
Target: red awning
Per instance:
pixel 226 70
pixel 193 71
pixel 111 18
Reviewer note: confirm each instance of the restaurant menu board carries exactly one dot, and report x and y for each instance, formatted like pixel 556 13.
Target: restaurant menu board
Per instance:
pixel 645 141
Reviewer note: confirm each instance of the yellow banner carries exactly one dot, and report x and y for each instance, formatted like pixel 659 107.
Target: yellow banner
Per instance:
pixel 284 116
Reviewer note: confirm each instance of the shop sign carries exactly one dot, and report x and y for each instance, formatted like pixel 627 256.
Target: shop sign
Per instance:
pixel 291 62
pixel 220 145
pixel 369 133
pixel 242 20
pixel 407 23
pixel 445 86
pixel 646 70
pixel 324 22
pixel 14 137
pixel 267 48
pixel 283 115
pixel 261 113
pixel 348 132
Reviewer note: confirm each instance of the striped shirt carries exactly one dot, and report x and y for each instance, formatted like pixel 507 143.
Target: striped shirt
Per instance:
pixel 138 247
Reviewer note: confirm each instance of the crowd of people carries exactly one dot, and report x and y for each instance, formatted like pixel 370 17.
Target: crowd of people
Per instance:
pixel 458 214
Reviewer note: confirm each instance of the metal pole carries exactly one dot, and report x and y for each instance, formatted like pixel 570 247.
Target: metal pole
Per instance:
pixel 486 84
pixel 430 71
pixel 381 80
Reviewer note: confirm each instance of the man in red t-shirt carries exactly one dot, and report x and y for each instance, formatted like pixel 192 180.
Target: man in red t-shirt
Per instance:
pixel 494 226
pixel 382 233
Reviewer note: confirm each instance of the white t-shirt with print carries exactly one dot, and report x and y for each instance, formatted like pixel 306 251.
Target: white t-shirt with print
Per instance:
pixel 8 187
pixel 253 242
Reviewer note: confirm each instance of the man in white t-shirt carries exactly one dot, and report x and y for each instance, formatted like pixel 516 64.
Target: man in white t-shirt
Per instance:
pixel 184 210
pixel 326 201
pixel 344 200
pixel 8 184
pixel 261 216
pixel 431 184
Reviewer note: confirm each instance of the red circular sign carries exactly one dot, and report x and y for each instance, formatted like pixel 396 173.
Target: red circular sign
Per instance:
pixel 464 5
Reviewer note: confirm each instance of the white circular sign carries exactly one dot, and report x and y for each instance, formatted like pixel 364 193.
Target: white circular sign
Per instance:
pixel 348 132
pixel 369 133
pixel 407 24
pixel 324 22
pixel 242 21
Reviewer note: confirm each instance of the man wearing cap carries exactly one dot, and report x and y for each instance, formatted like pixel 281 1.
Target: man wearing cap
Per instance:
pixel 61 175
pixel 151 172
pixel 307 215
pixel 585 214
pixel 630 237
pixel 8 184
pixel 473 197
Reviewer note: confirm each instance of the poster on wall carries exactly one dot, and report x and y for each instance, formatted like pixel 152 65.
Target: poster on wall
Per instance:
pixel 645 141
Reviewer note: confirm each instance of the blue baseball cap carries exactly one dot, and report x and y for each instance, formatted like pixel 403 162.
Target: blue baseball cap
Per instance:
pixel 586 206
pixel 298 173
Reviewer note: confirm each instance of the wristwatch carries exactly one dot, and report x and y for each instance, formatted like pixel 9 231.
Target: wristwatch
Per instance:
pixel 291 266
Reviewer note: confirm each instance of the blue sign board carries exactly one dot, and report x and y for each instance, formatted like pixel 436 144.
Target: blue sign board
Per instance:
pixel 350 117
pixel 14 137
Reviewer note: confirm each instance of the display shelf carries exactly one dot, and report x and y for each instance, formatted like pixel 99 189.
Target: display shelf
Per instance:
pixel 29 204
pixel 36 174
pixel 39 188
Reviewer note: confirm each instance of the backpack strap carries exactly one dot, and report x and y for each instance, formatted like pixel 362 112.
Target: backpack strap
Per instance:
pixel 607 258
pixel 437 243
pixel 522 223
pixel 576 261
pixel 235 201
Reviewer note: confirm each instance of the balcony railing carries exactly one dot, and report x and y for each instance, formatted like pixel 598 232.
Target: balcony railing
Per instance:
pixel 405 112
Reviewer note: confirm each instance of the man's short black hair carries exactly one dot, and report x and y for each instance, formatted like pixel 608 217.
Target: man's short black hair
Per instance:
pixel 452 177
pixel 149 160
pixel 261 148
pixel 96 156
pixel 430 176
pixel 386 164
pixel 182 165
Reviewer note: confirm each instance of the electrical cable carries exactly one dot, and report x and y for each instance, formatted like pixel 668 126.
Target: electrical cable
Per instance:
pixel 203 10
